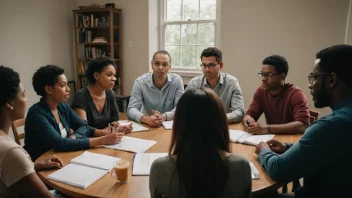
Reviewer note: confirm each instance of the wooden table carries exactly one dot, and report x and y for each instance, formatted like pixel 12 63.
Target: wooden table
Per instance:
pixel 138 186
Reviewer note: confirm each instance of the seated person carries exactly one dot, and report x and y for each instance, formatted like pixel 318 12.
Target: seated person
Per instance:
pixel 284 105
pixel 200 162
pixel 155 95
pixel 224 85
pixel 17 172
pixel 96 103
pixel 48 122
pixel 323 156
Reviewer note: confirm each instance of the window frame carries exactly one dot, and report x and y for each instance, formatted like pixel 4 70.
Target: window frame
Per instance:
pixel 190 72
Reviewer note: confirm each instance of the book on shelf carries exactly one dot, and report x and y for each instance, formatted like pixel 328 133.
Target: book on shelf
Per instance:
pixel 89 20
pixel 246 138
pixel 142 162
pixel 84 169
pixel 136 127
pixel 131 144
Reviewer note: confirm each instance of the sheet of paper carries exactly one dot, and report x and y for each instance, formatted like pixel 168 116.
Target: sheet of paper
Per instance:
pixel 136 127
pixel 77 175
pixel 256 139
pixel 95 160
pixel 236 134
pixel 131 144
pixel 168 124
pixel 254 171
pixel 142 162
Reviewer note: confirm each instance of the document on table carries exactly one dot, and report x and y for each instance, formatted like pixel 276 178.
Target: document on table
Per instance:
pixel 131 144
pixel 142 162
pixel 95 160
pixel 246 138
pixel 136 127
pixel 167 124
pixel 254 171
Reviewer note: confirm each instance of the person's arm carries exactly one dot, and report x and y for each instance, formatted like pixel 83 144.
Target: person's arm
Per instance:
pixel 179 91
pixel 255 110
pixel 321 139
pixel 236 106
pixel 136 103
pixel 17 173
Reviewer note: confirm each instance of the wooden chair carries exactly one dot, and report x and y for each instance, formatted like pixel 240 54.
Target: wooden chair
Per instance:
pixel 15 125
pixel 296 184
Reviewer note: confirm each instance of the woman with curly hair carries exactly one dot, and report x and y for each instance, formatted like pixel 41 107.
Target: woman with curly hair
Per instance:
pixel 17 172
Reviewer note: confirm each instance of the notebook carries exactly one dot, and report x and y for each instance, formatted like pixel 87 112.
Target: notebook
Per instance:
pixel 84 170
pixel 136 127
pixel 254 171
pixel 167 124
pixel 131 144
pixel 246 138
pixel 142 162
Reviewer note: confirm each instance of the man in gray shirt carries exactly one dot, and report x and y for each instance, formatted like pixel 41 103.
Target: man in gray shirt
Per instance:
pixel 224 85
pixel 155 95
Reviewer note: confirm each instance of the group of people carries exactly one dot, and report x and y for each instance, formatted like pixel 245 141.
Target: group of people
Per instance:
pixel 200 162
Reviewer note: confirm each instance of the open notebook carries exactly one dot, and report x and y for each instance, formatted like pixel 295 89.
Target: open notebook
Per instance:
pixel 168 124
pixel 131 144
pixel 246 138
pixel 136 127
pixel 142 162
pixel 84 169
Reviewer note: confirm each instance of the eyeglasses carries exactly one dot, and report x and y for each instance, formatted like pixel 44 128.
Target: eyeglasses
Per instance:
pixel 312 77
pixel 262 75
pixel 163 64
pixel 210 65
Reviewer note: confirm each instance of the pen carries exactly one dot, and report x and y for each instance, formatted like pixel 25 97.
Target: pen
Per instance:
pixel 247 122
pixel 111 127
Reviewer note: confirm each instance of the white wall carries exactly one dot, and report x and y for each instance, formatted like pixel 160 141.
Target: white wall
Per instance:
pixel 295 29
pixel 349 25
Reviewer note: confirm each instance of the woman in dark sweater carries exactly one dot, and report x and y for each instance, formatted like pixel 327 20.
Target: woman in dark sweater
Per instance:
pixel 49 121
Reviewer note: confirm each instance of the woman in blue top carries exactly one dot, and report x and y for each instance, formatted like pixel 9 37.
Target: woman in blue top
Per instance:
pixel 49 121
pixel 96 103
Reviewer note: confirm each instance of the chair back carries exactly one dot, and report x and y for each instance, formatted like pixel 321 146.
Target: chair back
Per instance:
pixel 15 125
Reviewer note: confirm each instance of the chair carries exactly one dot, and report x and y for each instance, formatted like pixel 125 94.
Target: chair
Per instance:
pixel 296 184
pixel 122 102
pixel 15 125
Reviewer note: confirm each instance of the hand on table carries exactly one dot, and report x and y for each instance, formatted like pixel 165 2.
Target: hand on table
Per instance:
pixel 51 162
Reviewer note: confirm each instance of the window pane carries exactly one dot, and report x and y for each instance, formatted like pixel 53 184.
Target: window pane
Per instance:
pixel 190 9
pixel 189 34
pixel 189 56
pixel 207 10
pixel 206 33
pixel 172 35
pixel 174 52
pixel 173 10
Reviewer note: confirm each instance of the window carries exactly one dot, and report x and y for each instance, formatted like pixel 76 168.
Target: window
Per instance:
pixel 187 27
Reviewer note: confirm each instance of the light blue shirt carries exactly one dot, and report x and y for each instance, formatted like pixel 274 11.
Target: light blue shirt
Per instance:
pixel 146 97
pixel 229 91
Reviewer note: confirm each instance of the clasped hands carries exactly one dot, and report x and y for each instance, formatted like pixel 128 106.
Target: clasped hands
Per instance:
pixel 154 120
pixel 253 127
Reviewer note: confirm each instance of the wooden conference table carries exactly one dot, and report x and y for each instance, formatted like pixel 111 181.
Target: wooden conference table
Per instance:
pixel 138 186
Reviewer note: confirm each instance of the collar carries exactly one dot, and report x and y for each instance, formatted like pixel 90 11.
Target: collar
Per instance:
pixel 151 82
pixel 221 80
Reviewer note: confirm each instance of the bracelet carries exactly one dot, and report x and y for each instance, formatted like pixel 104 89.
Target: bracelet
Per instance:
pixel 269 129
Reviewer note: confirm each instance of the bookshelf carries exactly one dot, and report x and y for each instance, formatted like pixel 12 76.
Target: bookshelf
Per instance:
pixel 97 32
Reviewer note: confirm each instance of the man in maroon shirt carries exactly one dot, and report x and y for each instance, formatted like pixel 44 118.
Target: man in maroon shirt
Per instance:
pixel 284 105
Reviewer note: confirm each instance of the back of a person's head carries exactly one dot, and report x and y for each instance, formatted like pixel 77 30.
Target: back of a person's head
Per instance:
pixel 46 75
pixel 277 61
pixel 9 85
pixel 200 131
pixel 337 59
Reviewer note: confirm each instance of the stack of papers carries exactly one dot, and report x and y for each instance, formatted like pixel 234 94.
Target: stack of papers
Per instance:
pixel 131 144
pixel 136 127
pixel 246 138
pixel 254 170
pixel 84 170
pixel 142 162
pixel 167 124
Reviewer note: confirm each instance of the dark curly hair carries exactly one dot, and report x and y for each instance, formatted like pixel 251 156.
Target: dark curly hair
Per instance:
pixel 279 62
pixel 164 52
pixel 46 75
pixel 9 85
pixel 212 51
pixel 337 59
pixel 97 65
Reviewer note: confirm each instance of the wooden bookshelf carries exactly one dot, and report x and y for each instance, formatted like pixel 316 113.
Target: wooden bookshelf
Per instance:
pixel 103 26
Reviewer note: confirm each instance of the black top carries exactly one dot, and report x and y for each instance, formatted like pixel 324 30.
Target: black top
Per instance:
pixel 96 119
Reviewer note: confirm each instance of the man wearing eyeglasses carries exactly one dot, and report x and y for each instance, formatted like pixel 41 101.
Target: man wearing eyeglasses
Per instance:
pixel 284 105
pixel 154 95
pixel 224 85
pixel 323 155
